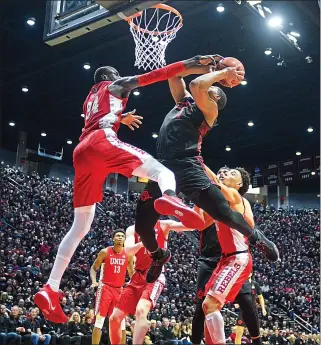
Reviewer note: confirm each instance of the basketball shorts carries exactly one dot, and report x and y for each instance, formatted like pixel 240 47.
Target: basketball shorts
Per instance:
pixel 95 157
pixel 205 268
pixel 190 175
pixel 138 289
pixel 106 298
pixel 229 277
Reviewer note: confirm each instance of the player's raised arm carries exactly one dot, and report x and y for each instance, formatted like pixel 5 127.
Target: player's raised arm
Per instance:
pixel 168 225
pixel 131 248
pixel 97 263
pixel 123 86
pixel 231 194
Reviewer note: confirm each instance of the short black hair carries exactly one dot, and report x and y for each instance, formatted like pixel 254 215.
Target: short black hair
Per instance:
pixel 117 231
pixel 102 72
pixel 221 103
pixel 246 180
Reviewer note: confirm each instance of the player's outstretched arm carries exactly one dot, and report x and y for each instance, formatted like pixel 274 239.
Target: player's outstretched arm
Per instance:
pixel 168 225
pixel 131 248
pixel 97 263
pixel 123 86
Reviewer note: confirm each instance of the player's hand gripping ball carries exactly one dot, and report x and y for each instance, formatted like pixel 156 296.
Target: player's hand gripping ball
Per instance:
pixel 230 62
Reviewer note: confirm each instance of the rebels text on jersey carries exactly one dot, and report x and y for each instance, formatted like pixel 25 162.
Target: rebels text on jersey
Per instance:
pixel 102 109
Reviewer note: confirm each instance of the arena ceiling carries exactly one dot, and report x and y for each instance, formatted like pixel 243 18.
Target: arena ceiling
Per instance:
pixel 282 102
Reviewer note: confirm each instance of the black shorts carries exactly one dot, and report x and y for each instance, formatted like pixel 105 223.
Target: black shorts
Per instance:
pixel 205 268
pixel 239 321
pixel 246 288
pixel 190 175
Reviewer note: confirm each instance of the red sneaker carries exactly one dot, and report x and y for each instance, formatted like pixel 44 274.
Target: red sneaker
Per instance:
pixel 48 302
pixel 173 206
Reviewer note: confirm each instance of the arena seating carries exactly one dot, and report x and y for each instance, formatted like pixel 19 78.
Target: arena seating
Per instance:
pixel 36 212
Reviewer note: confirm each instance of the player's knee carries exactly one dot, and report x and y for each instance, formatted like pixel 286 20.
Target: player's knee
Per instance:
pixel 210 305
pixel 99 323
pixel 115 318
pixel 141 312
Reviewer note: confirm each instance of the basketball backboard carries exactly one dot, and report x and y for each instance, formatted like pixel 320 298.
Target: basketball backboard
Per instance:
pixel 67 19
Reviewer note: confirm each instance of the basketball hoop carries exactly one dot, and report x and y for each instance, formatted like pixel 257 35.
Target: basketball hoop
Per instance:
pixel 153 29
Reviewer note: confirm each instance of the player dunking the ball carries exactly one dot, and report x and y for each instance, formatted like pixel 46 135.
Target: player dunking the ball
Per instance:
pixel 139 297
pixel 179 149
pixel 100 152
pixel 113 261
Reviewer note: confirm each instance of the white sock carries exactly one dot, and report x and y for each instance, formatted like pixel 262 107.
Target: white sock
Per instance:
pixel 215 325
pixel 156 171
pixel 79 229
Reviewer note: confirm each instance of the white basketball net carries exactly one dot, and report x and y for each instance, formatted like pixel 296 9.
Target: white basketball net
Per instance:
pixel 152 32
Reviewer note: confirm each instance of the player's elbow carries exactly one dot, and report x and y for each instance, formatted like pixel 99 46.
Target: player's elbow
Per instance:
pixel 197 85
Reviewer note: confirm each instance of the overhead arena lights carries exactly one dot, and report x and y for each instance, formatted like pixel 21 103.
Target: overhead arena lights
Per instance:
pixel 268 51
pixel 298 153
pixel 275 22
pixel 220 8
pixel 31 21
pixel 295 33
pixel 136 93
pixel 310 129
pixel 43 134
pixel 308 59
pixel 244 82
pixel 24 89
pixel 155 135
pixel 69 142
pixel 312 173
pixel 227 148
pixel 250 123
pixel 82 115
pixel 86 65
pixel 11 124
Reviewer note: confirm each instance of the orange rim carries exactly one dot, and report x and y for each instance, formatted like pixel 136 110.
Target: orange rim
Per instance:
pixel 156 33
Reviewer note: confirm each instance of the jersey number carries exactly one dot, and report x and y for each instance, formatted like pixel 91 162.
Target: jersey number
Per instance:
pixel 92 108
pixel 116 269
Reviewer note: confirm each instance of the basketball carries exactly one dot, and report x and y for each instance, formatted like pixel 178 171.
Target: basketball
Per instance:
pixel 230 62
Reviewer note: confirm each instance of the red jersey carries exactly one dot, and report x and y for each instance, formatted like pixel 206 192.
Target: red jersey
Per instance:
pixel 231 240
pixel 143 259
pixel 114 270
pixel 102 109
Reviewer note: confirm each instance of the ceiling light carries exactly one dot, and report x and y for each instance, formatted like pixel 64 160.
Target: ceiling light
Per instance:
pixel 43 134
pixel 31 21
pixel 12 124
pixel 220 8
pixel 250 123
pixel 25 89
pixel 308 59
pixel 298 153
pixel 244 82
pixel 310 129
pixel 155 135
pixel 69 142
pixel 82 115
pixel 295 34
pixel 268 51
pixel 136 93
pixel 312 173
pixel 227 148
pixel 275 22
pixel 86 65
pixel 281 64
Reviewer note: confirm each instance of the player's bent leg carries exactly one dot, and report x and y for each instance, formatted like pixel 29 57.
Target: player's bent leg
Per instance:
pixel 250 316
pixel 141 325
pixel 168 204
pixel 99 324
pixel 214 320
pixel 214 203
pixel 47 299
pixel 115 320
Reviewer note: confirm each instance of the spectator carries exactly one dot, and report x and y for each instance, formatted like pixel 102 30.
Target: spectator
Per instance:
pixel 4 323
pixel 32 326
pixel 87 329
pixel 74 329
pixel 276 338
pixel 16 332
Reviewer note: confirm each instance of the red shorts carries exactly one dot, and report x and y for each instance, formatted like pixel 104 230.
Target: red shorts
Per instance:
pixel 138 289
pixel 229 276
pixel 97 155
pixel 106 298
